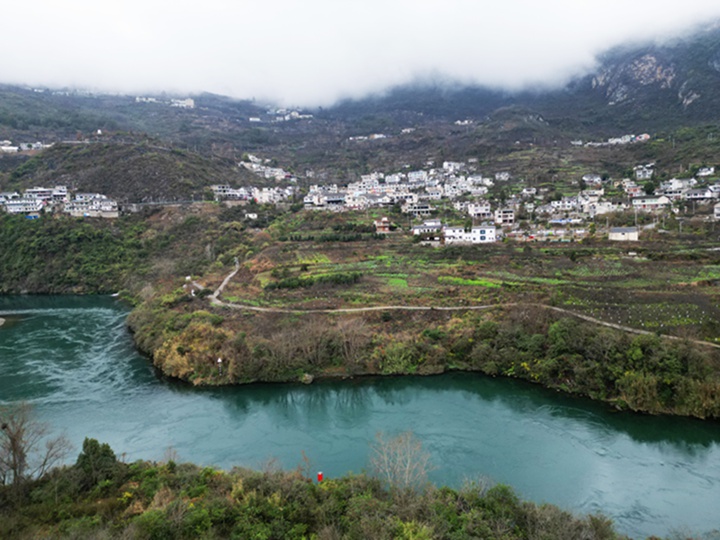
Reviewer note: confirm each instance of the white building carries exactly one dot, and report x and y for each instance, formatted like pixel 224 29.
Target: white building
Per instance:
pixel 23 205
pixel 706 171
pixel 623 234
pixel 92 205
pixel 428 227
pixel 482 234
pixel 224 191
pixel 644 172
pixel 480 210
pixel 650 204
pixel 504 216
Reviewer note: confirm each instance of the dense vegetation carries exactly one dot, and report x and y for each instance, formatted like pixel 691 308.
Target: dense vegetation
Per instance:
pixel 102 497
pixel 640 372
pixel 61 254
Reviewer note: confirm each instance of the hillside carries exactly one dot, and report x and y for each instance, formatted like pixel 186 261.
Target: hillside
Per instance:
pixel 133 171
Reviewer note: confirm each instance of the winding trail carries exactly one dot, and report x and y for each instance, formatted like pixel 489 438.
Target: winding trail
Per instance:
pixel 215 301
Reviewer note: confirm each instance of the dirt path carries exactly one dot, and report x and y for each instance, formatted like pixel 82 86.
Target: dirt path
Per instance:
pixel 214 299
pixel 214 296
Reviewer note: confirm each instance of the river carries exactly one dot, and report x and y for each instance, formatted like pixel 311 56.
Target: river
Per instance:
pixel 74 360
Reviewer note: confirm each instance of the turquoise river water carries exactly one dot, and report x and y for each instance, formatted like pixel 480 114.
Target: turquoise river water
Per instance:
pixel 73 358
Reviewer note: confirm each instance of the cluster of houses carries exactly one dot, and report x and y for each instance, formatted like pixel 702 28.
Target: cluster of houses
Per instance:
pixel 261 195
pixel 416 191
pixel 264 169
pixel 187 103
pixel 7 147
pixel 58 199
pixel 281 115
pixel 614 141
pixel 434 228
pixel 419 192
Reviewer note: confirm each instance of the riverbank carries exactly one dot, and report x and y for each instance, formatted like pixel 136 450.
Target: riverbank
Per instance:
pixel 544 345
pixel 101 496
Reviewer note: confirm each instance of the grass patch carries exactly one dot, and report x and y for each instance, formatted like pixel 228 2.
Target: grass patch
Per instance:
pixel 452 280
pixel 313 258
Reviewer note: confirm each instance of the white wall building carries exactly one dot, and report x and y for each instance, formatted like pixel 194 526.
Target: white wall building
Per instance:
pixel 482 234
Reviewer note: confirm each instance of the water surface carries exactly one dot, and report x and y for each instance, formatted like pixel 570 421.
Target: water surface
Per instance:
pixel 74 360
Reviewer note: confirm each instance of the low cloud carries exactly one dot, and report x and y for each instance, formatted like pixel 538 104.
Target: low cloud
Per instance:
pixel 315 52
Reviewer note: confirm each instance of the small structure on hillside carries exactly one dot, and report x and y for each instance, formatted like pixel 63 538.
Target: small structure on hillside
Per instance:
pixel 624 234
pixel 382 226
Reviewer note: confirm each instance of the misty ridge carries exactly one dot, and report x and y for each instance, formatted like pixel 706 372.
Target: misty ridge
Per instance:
pixel 319 54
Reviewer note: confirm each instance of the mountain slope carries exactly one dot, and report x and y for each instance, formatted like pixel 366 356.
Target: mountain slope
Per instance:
pixel 129 172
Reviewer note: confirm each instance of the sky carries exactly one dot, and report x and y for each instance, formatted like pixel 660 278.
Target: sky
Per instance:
pixel 315 52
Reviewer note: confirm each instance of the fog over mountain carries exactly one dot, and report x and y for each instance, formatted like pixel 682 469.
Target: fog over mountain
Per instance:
pixel 318 51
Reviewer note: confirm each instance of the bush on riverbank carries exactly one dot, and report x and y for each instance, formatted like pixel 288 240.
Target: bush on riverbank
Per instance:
pixel 641 372
pixel 100 497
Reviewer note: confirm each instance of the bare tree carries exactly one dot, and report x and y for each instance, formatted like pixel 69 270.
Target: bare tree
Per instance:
pixel 355 336
pixel 401 461
pixel 26 452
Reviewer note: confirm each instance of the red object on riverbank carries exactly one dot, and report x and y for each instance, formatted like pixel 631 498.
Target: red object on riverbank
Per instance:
pixel 320 477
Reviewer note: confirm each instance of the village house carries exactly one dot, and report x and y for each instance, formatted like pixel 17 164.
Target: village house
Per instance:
pixel 504 216
pixel 632 189
pixel 453 166
pixel 382 226
pixel 225 192
pixel 706 171
pixel 592 180
pixel 434 193
pixel 644 172
pixel 428 227
pixel 24 205
pixel 8 196
pixel 91 205
pixel 480 180
pixel 650 204
pixel 623 234
pixel 417 209
pixel 417 177
pixel 272 195
pixel 481 234
pixel 480 210
pixel 700 194
pixel 566 204
pixel 603 207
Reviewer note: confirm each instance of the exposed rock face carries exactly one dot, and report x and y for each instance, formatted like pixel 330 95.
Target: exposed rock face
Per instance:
pixel 687 95
pixel 618 81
